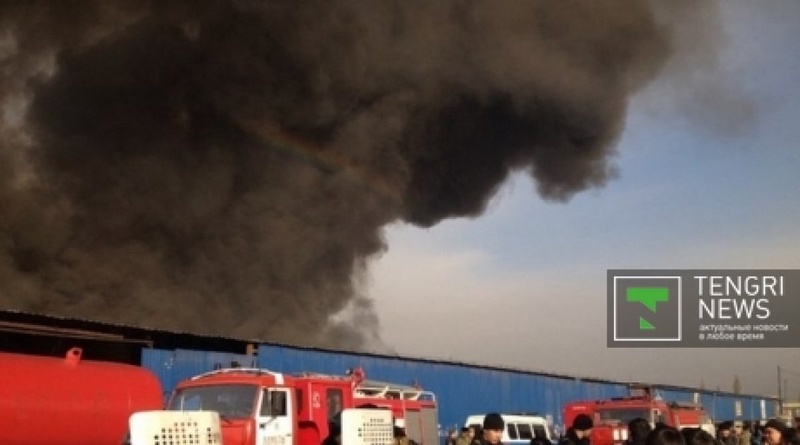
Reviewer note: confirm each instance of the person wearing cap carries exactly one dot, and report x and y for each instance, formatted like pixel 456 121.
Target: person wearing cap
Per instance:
pixel 773 432
pixel 580 431
pixel 492 431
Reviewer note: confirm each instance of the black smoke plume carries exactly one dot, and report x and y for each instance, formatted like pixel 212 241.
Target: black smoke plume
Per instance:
pixel 227 167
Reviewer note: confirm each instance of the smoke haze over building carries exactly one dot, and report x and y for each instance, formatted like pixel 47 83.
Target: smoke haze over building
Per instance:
pixel 228 167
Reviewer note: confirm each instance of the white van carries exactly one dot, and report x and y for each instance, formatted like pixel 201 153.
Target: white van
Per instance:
pixel 520 428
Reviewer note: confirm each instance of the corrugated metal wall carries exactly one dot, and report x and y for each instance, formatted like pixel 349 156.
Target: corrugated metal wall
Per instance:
pixel 460 388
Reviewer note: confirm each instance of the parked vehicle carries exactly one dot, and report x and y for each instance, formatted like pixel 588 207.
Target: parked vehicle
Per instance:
pixel 520 427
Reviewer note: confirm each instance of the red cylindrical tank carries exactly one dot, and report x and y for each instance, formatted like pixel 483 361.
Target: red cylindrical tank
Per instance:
pixel 47 400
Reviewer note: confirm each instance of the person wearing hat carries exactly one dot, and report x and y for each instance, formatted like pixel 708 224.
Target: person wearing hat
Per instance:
pixel 492 431
pixel 580 431
pixel 773 432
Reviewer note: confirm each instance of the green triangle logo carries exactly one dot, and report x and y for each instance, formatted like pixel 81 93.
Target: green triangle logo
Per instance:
pixel 645 325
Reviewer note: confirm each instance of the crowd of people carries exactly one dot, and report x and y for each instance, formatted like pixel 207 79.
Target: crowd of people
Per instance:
pixel 640 432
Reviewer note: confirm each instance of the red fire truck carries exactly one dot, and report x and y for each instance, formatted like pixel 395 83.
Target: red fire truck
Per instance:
pixel 611 416
pixel 258 406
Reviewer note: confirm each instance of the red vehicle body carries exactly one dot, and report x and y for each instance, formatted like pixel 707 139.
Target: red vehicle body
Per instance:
pixel 71 401
pixel 611 417
pixel 258 406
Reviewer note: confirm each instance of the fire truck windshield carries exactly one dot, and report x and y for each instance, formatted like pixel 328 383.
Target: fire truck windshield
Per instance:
pixel 230 401
pixel 622 415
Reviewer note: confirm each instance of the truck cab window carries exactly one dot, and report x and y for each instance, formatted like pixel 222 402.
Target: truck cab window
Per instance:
pixel 228 400
pixel 334 398
pixel 525 431
pixel 273 403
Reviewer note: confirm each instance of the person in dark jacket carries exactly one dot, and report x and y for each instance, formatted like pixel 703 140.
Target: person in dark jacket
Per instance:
pixel 790 436
pixel 334 435
pixel 580 432
pixel 665 435
pixel 698 436
pixel 638 429
pixel 492 431
pixel 725 434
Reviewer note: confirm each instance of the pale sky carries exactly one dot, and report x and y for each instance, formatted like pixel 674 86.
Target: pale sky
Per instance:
pixel 702 184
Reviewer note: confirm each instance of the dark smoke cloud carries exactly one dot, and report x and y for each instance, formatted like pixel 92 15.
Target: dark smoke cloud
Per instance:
pixel 227 167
